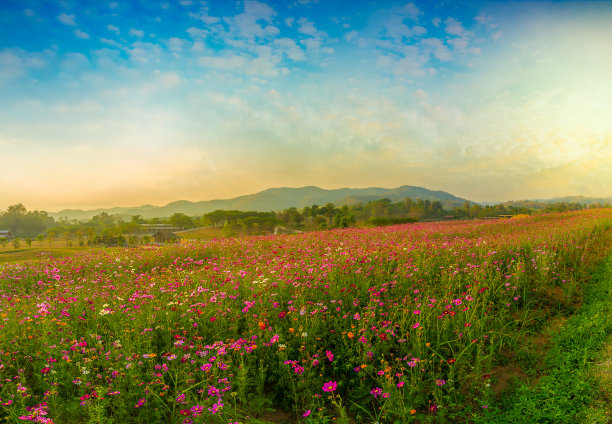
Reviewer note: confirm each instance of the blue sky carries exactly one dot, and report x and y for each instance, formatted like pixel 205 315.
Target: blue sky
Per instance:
pixel 132 102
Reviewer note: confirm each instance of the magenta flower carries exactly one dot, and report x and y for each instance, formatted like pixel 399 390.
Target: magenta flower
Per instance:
pixel 330 386
pixel 307 413
pixel 140 403
pixel 330 356
pixel 377 391
pixel 274 338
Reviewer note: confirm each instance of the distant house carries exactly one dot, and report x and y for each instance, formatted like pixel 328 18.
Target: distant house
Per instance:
pixel 164 236
pixel 161 233
pixel 6 234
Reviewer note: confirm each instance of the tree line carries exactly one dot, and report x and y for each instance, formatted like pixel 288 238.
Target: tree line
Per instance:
pixel 39 225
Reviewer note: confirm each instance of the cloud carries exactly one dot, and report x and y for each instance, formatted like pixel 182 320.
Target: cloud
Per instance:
pixel 437 48
pixel 290 48
pixel 66 19
pixel 197 32
pixel 203 16
pixel 169 79
pixel 248 22
pixel 455 27
pixel 112 28
pixel 81 34
pixel 113 5
pixel 175 45
pixel 136 32
pixel 29 13
pixel 185 2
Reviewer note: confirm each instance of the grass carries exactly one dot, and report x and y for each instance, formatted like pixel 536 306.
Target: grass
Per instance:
pixel 13 255
pixel 573 389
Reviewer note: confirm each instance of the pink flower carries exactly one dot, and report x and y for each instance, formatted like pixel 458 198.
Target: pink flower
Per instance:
pixel 377 391
pixel 307 413
pixel 416 325
pixel 416 312
pixel 274 338
pixel 140 403
pixel 330 386
pixel 330 356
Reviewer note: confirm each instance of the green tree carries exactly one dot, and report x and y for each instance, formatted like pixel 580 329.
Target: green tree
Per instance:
pixel 16 243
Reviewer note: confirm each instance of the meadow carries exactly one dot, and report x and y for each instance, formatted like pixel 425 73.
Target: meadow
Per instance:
pixel 408 323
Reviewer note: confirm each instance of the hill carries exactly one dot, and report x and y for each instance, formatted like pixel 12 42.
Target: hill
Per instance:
pixel 273 199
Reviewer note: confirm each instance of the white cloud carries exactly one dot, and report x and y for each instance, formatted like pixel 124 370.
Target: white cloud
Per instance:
pixel 113 5
pixel 229 62
pixel 436 22
pixel 136 32
pixel 290 48
pixel 66 19
pixel 437 48
pixel 165 6
pixel 308 28
pixel 197 32
pixel 169 79
pixel 112 28
pixel 81 34
pixel 350 36
pixel 455 27
pixel 289 22
pixel 410 11
pixel 29 13
pixel 459 44
pixel 203 16
pixel 185 2
pixel 145 52
pixel 175 45
pixel 248 22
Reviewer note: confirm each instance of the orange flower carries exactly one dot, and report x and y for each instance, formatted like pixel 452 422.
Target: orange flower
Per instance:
pixel 413 411
pixel 262 325
pixel 350 335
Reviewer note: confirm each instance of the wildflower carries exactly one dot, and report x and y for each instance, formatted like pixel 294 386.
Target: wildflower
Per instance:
pixel 274 338
pixel 416 325
pixel 140 403
pixel 307 413
pixel 329 355
pixel 377 391
pixel 412 411
pixel 400 384
pixel 330 386
pixel 440 382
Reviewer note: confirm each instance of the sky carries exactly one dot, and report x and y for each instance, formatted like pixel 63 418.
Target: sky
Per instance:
pixel 125 103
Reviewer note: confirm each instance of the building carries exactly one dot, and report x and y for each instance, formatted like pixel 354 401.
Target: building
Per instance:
pixel 6 234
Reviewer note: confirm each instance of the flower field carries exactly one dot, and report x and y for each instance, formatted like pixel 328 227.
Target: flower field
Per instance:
pixel 396 324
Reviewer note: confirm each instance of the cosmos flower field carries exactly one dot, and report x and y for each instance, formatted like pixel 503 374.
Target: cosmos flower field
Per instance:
pixel 394 324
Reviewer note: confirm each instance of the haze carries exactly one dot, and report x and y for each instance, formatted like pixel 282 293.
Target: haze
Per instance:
pixel 124 103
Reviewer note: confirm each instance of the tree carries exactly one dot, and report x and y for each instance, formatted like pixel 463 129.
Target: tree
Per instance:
pixel 51 237
pixel 28 242
pixel 16 243
pixel 182 220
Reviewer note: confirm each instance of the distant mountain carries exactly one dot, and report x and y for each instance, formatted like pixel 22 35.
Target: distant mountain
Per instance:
pixel 273 199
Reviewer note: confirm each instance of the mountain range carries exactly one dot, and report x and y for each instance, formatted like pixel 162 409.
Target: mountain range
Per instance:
pixel 277 199
pixel 272 199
